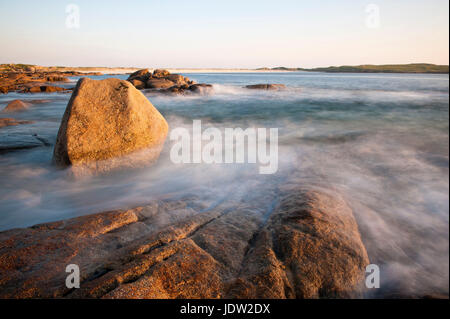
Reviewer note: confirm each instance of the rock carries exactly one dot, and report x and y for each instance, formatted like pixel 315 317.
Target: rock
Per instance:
pixel 4 121
pixel 23 79
pixel 178 79
pixel 108 124
pixel 139 74
pixel 39 101
pixel 14 142
pixel 57 78
pixel 16 105
pixel 45 89
pixel 138 84
pixel 175 90
pixel 159 73
pixel 161 81
pixel 308 247
pixel 266 86
pixel 18 76
pixel 201 88
pixel 159 84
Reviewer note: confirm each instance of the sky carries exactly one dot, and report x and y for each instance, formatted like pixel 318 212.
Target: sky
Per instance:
pixel 223 34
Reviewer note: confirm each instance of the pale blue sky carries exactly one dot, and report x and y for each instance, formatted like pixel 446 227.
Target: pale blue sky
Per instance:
pixel 228 33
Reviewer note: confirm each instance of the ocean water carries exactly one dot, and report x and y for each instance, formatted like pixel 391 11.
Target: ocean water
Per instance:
pixel 381 140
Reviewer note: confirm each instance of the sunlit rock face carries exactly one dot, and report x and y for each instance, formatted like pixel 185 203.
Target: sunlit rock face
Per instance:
pixel 108 124
pixel 16 105
pixel 307 245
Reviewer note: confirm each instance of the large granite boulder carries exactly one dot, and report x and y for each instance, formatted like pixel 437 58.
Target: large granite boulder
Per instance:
pixel 108 124
pixel 307 245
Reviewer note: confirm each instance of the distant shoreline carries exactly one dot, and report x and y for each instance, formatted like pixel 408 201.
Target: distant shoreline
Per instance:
pixel 415 68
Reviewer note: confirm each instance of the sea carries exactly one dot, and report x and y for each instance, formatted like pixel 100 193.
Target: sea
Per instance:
pixel 380 140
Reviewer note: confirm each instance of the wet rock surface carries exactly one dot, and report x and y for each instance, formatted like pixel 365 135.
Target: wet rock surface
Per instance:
pixel 15 142
pixel 273 87
pixel 291 243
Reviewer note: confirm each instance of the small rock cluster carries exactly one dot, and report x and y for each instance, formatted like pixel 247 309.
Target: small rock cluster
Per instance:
pixel 162 81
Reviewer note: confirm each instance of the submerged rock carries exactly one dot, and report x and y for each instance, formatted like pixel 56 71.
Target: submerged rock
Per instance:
pixel 266 86
pixel 6 121
pixel 160 73
pixel 308 247
pixel 16 105
pixel 108 124
pixel 15 142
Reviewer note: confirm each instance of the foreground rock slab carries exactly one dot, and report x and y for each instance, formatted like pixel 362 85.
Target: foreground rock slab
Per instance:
pixel 108 124
pixel 304 245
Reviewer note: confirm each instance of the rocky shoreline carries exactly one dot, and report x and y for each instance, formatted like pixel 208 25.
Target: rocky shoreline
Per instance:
pixel 36 82
pixel 289 240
